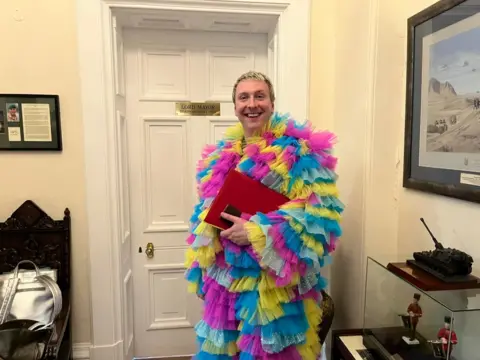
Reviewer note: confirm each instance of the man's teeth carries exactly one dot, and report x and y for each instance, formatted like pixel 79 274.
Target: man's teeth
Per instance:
pixel 253 115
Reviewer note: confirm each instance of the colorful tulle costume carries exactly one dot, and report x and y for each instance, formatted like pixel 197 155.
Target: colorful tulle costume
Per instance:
pixel 262 301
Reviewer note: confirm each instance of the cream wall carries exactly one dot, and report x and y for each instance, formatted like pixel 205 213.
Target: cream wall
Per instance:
pixel 40 56
pixel 341 73
pixel 363 102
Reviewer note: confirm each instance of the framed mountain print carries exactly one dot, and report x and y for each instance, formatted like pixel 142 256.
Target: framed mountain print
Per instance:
pixel 442 125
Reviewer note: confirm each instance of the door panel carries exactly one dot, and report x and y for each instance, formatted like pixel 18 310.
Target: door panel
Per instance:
pixel 220 63
pixel 163 67
pixel 166 198
pixel 164 85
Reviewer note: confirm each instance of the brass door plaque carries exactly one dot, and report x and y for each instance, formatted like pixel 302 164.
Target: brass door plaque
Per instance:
pixel 188 108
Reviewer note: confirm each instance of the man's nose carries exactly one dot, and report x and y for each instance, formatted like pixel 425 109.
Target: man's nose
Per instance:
pixel 252 102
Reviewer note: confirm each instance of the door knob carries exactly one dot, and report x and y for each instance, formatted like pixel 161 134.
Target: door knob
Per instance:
pixel 150 250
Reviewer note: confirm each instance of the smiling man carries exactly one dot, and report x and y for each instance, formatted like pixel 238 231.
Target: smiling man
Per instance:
pixel 260 279
pixel 254 99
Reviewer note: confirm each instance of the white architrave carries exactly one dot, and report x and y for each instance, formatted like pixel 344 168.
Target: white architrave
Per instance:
pixel 96 60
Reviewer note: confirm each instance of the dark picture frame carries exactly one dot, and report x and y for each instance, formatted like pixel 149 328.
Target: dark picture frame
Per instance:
pixel 435 159
pixel 30 122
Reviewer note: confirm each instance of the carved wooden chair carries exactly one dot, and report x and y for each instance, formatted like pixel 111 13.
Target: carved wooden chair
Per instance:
pixel 328 311
pixel 30 234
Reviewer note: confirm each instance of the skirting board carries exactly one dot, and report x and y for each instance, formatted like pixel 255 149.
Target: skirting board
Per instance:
pixel 81 351
pixel 102 352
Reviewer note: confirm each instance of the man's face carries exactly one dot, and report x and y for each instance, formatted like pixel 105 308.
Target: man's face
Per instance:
pixel 12 111
pixel 253 106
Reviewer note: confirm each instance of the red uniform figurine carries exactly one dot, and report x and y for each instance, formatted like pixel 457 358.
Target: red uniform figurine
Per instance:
pixel 445 333
pixel 415 312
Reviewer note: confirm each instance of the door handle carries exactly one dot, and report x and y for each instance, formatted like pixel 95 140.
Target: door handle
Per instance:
pixel 149 250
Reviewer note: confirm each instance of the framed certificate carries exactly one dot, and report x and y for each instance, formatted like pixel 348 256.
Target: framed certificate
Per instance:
pixel 30 123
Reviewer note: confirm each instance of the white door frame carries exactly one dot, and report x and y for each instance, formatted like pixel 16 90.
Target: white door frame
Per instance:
pixel 98 90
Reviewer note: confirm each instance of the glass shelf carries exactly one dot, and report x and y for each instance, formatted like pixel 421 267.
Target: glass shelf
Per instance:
pixel 387 325
pixel 453 300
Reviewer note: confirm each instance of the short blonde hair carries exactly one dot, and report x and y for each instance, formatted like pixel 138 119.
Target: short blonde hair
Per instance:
pixel 254 75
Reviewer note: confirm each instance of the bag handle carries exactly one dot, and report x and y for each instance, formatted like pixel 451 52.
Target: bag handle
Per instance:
pixel 10 290
pixel 57 301
pixel 17 268
pixel 57 297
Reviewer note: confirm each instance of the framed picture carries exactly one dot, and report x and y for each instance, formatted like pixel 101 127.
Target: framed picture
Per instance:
pixel 30 122
pixel 442 127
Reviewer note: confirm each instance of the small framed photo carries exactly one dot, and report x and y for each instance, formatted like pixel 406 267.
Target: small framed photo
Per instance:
pixel 30 122
pixel 442 125
pixel 13 112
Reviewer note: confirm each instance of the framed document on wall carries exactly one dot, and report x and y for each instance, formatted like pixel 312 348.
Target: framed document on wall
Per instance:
pixel 30 123
pixel 442 125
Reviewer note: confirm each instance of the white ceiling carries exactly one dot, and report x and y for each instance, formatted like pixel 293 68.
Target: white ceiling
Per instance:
pixel 189 20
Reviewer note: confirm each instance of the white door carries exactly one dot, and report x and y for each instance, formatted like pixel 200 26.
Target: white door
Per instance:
pixel 162 68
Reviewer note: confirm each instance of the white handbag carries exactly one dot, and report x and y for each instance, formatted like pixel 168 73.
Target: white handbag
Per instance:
pixel 30 295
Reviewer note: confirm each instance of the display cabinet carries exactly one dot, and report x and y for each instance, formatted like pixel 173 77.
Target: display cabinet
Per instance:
pixel 402 321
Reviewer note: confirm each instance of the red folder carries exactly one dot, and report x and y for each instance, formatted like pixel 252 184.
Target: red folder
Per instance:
pixel 242 194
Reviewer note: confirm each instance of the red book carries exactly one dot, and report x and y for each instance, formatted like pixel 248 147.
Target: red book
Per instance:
pixel 242 194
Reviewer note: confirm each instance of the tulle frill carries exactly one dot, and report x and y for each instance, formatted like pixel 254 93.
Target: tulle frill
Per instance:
pixel 261 302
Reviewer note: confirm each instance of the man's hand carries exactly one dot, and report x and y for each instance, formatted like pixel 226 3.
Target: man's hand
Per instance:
pixel 236 233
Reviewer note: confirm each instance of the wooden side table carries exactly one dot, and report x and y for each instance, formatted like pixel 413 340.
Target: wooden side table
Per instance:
pixel 346 343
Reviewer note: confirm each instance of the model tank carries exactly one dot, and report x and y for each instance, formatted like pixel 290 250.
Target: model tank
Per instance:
pixel 446 262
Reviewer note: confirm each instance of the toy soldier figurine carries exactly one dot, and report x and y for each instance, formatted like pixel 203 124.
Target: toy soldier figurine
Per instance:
pixel 414 310
pixel 445 334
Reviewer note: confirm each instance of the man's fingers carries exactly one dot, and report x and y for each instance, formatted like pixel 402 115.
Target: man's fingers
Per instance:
pixel 232 218
pixel 226 233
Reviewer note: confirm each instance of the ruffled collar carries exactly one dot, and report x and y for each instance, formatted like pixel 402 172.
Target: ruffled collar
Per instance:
pixel 275 128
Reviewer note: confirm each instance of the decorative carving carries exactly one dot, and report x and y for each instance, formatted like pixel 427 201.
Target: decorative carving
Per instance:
pixel 30 216
pixel 48 255
pixel 30 234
